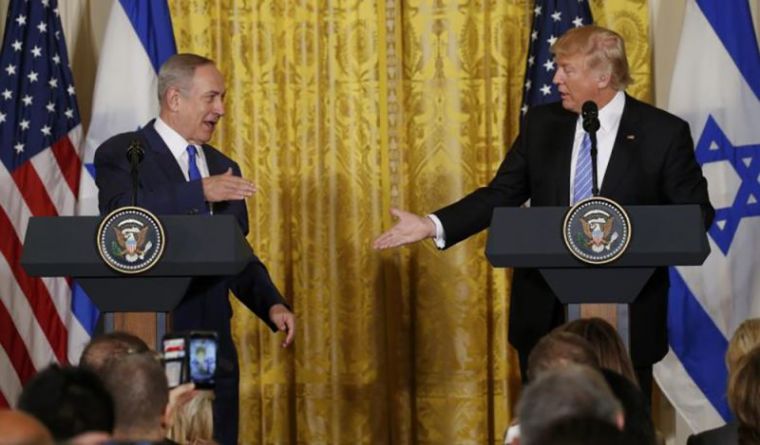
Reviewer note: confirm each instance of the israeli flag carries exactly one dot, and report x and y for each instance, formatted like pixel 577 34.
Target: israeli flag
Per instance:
pixel 138 39
pixel 716 88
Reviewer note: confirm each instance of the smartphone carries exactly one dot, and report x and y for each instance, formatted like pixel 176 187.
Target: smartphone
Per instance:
pixel 174 355
pixel 202 347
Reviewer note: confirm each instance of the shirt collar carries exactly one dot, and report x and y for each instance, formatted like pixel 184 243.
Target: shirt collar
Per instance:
pixel 176 143
pixel 609 115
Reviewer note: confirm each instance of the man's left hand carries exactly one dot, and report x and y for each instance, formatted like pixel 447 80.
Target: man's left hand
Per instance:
pixel 285 322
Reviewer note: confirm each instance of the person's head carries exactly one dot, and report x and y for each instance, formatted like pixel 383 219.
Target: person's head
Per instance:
pixel 591 65
pixel 140 393
pixel 194 421
pixel 569 391
pixel 106 347
pixel 607 344
pixel 745 338
pixel 69 401
pixel 584 431
pixel 744 396
pixel 191 95
pixel 19 428
pixel 558 349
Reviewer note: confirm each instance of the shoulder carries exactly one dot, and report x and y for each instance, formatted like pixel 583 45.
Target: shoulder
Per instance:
pixel 652 114
pixel 118 144
pixel 212 153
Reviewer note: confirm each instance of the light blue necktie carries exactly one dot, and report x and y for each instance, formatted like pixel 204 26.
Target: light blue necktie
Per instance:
pixel 192 167
pixel 582 184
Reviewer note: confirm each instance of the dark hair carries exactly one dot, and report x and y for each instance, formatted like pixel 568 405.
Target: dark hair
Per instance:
pixel 583 431
pixel 140 392
pixel 559 349
pixel 105 347
pixel 607 344
pixel 69 401
pixel 567 391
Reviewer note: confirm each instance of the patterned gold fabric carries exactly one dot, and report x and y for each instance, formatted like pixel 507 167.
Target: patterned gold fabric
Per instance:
pixel 339 110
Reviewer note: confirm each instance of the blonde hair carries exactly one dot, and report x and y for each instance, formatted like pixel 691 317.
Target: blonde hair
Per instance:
pixel 603 49
pixel 193 422
pixel 744 396
pixel 746 337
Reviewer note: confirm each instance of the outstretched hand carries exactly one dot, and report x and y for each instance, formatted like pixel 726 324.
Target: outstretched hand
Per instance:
pixel 227 187
pixel 410 228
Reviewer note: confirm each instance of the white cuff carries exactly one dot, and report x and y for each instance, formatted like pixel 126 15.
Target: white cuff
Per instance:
pixel 440 236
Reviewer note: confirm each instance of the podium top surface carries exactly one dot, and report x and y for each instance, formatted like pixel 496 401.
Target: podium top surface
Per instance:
pixel 672 235
pixel 195 246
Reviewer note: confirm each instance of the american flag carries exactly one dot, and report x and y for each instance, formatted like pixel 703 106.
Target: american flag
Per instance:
pixel 551 18
pixel 40 132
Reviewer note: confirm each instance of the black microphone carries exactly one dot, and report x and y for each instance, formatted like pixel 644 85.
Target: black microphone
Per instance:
pixel 135 155
pixel 590 116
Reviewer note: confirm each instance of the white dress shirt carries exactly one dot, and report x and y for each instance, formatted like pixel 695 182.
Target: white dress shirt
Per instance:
pixel 178 146
pixel 609 122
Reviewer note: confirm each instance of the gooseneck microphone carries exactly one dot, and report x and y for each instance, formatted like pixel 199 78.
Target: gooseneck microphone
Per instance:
pixel 135 155
pixel 590 116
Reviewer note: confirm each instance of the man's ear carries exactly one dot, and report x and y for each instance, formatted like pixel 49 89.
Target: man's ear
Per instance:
pixel 603 80
pixel 166 417
pixel 172 97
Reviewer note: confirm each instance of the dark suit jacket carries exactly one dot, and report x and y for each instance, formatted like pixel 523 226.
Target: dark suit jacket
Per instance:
pixel 652 163
pixel 725 435
pixel 163 190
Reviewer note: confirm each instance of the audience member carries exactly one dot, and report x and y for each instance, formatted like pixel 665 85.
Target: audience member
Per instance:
pixel 566 392
pixel 584 431
pixel 561 348
pixel 607 344
pixel 558 349
pixel 745 339
pixel 140 393
pixel 744 397
pixel 105 347
pixel 19 428
pixel 193 422
pixel 69 401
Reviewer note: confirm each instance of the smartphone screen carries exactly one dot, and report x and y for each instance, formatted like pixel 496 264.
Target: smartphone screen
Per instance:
pixel 203 348
pixel 174 360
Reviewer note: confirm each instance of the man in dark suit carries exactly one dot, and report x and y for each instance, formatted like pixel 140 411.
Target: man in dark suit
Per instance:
pixel 645 157
pixel 182 175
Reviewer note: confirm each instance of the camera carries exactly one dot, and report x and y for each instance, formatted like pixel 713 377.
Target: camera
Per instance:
pixel 191 357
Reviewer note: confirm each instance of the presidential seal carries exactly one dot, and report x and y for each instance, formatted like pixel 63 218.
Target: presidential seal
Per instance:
pixel 130 240
pixel 597 230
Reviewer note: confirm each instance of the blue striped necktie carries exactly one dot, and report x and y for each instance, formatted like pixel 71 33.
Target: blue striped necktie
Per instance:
pixel 582 184
pixel 192 167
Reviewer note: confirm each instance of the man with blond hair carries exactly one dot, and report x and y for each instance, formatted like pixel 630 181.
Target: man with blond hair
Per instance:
pixel 645 157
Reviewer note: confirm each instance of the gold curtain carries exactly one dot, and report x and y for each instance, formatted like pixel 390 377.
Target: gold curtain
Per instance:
pixel 339 110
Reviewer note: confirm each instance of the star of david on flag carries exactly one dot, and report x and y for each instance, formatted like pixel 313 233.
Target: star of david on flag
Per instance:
pixel 716 88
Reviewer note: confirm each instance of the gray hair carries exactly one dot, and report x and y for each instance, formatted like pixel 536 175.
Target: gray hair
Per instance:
pixel 178 71
pixel 572 391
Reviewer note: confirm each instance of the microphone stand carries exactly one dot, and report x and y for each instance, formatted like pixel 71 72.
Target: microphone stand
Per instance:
pixel 590 114
pixel 135 155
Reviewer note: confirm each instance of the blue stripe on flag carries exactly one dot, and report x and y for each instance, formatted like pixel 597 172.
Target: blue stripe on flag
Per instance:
pixel 733 25
pixel 83 308
pixel 153 25
pixel 703 360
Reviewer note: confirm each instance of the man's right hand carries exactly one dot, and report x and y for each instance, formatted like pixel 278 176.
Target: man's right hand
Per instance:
pixel 227 187
pixel 410 228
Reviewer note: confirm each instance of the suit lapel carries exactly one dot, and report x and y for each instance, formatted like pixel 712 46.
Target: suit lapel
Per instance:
pixel 564 145
pixel 163 155
pixel 213 161
pixel 626 144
